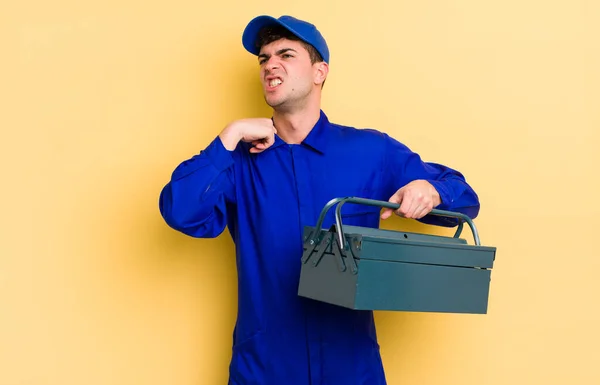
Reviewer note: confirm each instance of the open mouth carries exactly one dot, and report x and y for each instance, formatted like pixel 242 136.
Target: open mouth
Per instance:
pixel 274 83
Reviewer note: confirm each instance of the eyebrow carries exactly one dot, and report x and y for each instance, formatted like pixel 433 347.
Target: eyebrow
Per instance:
pixel 280 52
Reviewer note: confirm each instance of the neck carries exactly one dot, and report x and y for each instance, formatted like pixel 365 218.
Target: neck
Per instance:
pixel 294 126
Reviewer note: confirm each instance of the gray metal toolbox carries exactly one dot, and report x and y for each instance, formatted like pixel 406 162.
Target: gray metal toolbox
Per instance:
pixel 378 269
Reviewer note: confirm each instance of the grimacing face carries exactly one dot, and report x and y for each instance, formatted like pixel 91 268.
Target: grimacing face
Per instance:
pixel 286 72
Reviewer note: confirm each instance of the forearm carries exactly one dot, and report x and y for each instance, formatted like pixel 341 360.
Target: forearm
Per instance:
pixel 404 166
pixel 194 200
pixel 456 195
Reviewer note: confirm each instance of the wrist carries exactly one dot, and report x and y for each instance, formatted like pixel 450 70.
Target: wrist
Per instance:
pixel 230 137
pixel 437 199
pixel 438 192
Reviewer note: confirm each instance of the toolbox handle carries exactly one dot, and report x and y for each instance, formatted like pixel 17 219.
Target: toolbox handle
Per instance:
pixel 371 202
pixel 395 206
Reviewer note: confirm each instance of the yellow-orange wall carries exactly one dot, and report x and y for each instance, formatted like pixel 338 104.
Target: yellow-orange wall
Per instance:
pixel 100 101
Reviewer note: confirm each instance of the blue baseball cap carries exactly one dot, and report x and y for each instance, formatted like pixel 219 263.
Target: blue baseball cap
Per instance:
pixel 304 30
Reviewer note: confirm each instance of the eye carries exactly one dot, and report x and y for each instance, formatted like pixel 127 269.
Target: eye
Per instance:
pixel 286 55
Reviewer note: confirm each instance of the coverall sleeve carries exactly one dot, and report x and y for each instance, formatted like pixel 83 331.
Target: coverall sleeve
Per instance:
pixel 403 166
pixel 195 200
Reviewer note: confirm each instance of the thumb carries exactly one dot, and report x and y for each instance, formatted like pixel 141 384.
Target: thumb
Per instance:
pixel 396 198
pixel 273 125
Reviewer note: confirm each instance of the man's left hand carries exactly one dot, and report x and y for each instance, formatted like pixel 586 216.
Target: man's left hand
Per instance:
pixel 416 200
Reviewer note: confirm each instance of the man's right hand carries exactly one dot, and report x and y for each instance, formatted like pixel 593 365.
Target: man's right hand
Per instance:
pixel 258 131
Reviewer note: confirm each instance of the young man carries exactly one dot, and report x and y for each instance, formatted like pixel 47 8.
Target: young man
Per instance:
pixel 265 179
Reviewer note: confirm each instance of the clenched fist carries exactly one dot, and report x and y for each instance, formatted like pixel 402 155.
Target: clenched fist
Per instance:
pixel 258 131
pixel 416 200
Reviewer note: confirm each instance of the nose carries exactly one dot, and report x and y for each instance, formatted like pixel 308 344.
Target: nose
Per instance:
pixel 272 63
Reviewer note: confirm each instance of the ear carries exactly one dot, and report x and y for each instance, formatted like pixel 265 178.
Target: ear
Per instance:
pixel 320 73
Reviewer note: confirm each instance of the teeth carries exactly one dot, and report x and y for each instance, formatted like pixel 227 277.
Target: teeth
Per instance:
pixel 275 82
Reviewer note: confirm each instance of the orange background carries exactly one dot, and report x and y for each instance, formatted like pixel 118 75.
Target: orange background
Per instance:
pixel 101 100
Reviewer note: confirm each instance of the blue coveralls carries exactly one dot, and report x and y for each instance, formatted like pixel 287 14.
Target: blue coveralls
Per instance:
pixel 265 200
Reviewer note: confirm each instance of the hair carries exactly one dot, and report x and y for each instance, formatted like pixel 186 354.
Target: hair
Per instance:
pixel 270 34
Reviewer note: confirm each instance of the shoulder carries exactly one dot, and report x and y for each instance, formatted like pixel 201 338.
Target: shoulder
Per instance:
pixel 364 135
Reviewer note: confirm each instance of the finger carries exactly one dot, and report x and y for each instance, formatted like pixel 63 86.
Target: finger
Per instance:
pixel 415 212
pixel 396 198
pixel 261 144
pixel 386 213
pixel 257 147
pixel 264 144
pixel 406 204
pixel 422 212
pixel 418 203
pixel 415 206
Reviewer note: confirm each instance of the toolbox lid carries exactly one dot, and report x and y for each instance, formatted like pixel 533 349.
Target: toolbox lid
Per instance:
pixel 398 246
